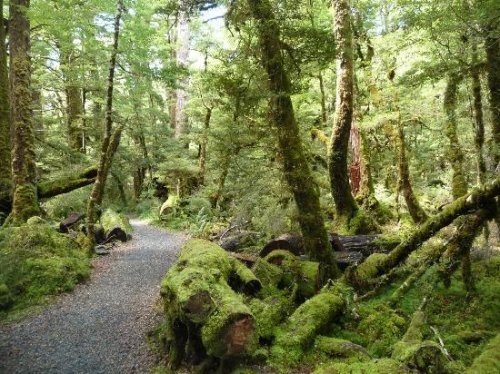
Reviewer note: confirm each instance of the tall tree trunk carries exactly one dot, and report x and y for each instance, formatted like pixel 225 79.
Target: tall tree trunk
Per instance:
pixel 109 142
pixel 296 169
pixel 455 153
pixel 25 200
pixel 5 158
pixel 417 214
pixel 355 168
pixel 182 54
pixel 203 147
pixel 492 46
pixel 74 100
pixel 341 190
pixel 478 115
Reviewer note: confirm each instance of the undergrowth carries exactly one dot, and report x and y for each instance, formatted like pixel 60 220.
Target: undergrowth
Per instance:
pixel 36 262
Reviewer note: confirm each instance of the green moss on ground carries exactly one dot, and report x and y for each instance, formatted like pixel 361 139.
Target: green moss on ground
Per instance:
pixel 37 262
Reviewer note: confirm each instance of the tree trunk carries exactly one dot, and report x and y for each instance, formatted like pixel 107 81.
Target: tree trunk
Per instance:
pixel 341 190
pixel 492 46
pixel 25 199
pixel 296 169
pixel 5 157
pixel 182 54
pixel 417 214
pixel 203 147
pixel 109 145
pixel 324 112
pixel 478 115
pixel 455 153
pixel 74 98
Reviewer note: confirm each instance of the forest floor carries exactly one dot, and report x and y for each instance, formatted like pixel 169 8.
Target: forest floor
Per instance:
pixel 102 326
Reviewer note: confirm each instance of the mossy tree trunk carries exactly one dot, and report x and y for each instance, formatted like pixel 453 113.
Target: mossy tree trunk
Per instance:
pixel 110 141
pixel 478 115
pixel 296 169
pixel 202 160
pixel 339 179
pixel 74 98
pixel 455 153
pixel 5 158
pixel 417 214
pixel 492 46
pixel 25 199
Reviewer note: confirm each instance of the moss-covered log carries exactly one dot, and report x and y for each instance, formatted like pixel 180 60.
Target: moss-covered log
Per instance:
pixel 424 356
pixel 489 360
pixel 200 298
pixel 378 264
pixel 52 188
pixel 116 226
pixel 301 328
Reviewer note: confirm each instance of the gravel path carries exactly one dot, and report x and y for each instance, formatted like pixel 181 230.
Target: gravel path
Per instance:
pixel 101 326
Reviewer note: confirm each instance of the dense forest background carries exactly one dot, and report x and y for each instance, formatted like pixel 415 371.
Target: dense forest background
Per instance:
pixel 258 118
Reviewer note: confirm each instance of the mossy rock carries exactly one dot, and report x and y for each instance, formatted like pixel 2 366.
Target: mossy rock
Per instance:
pixel 36 220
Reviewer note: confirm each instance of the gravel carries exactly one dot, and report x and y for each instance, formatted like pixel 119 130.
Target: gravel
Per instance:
pixel 101 327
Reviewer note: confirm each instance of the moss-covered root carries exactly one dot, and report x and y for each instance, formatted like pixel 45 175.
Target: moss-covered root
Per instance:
pixel 116 225
pixel 424 356
pixel 489 360
pixel 480 198
pixel 301 328
pixel 199 296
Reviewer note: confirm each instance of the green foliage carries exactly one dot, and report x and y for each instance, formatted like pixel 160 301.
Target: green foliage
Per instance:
pixel 36 262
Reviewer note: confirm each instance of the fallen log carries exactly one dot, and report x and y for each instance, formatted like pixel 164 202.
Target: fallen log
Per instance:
pixel 364 244
pixel 202 306
pixel 377 264
pixel 301 328
pixel 70 222
pixel 116 226
pixel 48 189
pixel 425 356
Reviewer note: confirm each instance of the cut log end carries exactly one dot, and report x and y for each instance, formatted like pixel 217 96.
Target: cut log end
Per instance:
pixel 238 335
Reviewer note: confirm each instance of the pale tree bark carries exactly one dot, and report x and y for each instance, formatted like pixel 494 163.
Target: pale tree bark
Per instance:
pixel 296 169
pixel 182 55
pixel 5 158
pixel 110 140
pixel 455 153
pixel 25 200
pixel 341 190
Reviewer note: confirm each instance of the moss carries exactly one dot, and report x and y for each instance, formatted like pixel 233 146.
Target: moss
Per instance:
pixel 111 219
pixel 380 327
pixel 361 223
pixel 335 347
pixel 382 366
pixel 24 204
pixel 489 360
pixel 368 269
pixel 270 312
pixel 36 263
pixel 299 331
pixel 34 221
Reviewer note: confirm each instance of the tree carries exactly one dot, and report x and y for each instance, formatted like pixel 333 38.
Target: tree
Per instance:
pixel 5 160
pixel 345 204
pixel 295 165
pixel 110 139
pixel 25 200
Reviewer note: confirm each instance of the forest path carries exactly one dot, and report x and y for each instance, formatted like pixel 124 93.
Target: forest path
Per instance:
pixel 101 327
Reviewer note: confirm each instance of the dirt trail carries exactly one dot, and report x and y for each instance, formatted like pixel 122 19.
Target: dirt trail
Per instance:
pixel 101 327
